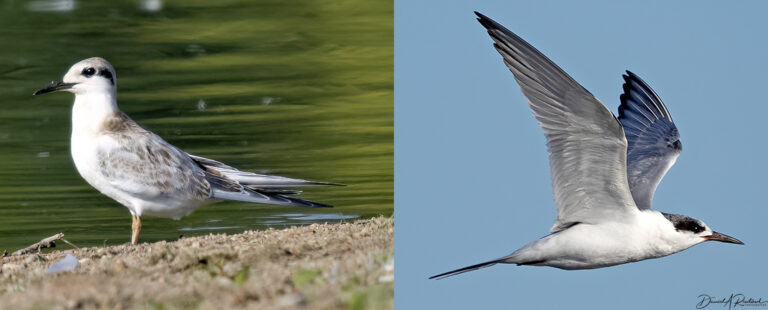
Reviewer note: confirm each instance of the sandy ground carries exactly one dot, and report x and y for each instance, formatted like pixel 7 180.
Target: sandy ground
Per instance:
pixel 321 266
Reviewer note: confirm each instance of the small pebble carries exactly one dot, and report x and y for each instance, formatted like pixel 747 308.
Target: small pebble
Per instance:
pixel 67 263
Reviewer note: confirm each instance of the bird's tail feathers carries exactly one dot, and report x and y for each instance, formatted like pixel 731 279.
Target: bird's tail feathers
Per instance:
pixel 253 180
pixel 468 268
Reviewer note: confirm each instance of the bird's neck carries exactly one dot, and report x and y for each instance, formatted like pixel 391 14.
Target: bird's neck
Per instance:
pixel 665 239
pixel 91 110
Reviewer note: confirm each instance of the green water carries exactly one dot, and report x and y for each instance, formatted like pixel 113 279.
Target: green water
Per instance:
pixel 295 88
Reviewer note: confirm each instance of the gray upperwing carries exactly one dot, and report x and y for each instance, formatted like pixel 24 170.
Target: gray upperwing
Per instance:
pixel 653 139
pixel 587 148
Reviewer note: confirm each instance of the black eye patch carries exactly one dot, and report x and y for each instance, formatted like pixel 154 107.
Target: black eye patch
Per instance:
pixel 691 226
pixel 88 72
pixel 106 74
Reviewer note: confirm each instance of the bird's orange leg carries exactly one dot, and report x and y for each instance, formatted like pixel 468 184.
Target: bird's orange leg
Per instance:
pixel 135 229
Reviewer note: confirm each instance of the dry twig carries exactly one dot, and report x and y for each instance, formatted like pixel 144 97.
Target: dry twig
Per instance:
pixel 49 242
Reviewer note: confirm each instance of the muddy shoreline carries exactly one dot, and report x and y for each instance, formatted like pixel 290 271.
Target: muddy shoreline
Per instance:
pixel 319 266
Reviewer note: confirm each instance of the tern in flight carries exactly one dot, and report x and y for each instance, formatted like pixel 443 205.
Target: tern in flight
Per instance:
pixel 604 169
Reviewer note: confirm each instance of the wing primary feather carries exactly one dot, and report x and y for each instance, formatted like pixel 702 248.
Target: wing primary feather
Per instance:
pixel 653 142
pixel 585 140
pixel 228 183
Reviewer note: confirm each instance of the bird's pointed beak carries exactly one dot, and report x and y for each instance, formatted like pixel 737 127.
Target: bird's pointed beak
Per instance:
pixel 716 236
pixel 54 86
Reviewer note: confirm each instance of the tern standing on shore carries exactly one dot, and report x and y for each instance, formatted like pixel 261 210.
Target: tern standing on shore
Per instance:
pixel 140 170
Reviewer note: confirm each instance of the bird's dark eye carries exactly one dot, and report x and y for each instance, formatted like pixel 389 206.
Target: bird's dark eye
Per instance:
pixel 87 72
pixel 695 227
pixel 689 225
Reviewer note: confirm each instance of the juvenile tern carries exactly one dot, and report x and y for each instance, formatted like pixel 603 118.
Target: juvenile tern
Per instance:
pixel 604 169
pixel 142 171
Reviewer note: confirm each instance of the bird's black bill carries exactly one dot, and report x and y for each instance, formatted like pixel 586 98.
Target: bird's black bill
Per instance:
pixel 54 86
pixel 716 236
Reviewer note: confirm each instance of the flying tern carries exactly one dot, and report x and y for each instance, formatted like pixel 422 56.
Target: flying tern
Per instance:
pixel 142 171
pixel 604 169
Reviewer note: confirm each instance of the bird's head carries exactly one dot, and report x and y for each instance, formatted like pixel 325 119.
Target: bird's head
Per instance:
pixel 94 74
pixel 690 231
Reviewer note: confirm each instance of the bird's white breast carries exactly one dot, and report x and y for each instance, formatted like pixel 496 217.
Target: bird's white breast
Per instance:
pixel 86 147
pixel 88 141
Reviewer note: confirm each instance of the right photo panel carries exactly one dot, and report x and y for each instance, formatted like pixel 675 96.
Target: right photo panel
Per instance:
pixel 555 155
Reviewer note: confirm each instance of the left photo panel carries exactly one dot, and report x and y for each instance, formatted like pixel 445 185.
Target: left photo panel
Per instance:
pixel 197 155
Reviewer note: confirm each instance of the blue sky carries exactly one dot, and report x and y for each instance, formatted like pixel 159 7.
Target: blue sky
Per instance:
pixel 472 175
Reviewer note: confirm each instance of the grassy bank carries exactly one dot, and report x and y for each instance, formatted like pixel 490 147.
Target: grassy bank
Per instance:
pixel 320 266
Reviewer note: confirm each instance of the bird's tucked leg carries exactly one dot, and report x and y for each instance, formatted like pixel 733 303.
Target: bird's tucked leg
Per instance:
pixel 135 229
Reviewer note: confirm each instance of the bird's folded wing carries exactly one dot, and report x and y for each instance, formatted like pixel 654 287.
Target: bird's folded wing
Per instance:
pixel 149 167
pixel 587 148
pixel 652 137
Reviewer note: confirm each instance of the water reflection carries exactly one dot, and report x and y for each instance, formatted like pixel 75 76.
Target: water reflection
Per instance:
pixel 70 5
pixel 152 5
pixel 319 217
pixel 207 228
pixel 288 219
pixel 51 5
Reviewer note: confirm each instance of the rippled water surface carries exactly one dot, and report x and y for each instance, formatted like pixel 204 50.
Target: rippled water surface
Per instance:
pixel 295 88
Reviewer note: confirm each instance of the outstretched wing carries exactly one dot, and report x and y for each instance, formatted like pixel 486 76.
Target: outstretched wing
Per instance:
pixel 653 140
pixel 587 148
